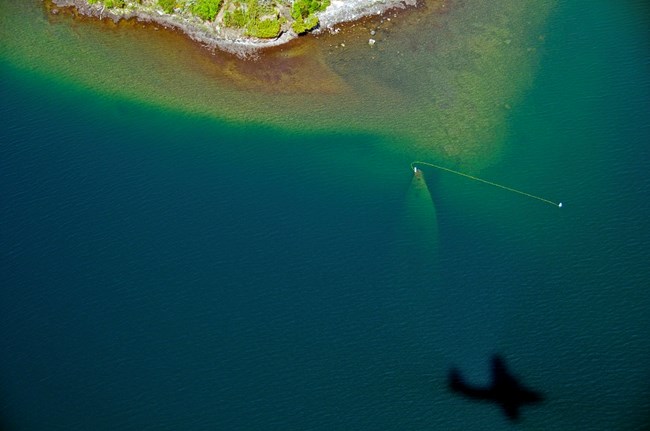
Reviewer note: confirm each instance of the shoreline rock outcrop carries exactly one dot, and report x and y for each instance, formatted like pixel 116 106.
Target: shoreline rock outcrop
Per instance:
pixel 216 34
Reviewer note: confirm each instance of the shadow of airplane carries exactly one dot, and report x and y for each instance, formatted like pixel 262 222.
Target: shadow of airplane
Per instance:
pixel 505 389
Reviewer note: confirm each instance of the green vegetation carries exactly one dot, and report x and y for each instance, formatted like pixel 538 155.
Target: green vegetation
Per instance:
pixel 109 3
pixel 303 12
pixel 236 18
pixel 304 25
pixel 167 5
pixel 263 19
pixel 304 8
pixel 257 19
pixel 206 9
pixel 267 28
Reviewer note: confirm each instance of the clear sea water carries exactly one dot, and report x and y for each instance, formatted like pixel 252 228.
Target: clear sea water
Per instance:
pixel 161 269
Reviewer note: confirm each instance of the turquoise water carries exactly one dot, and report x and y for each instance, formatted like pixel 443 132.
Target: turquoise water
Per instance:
pixel 167 271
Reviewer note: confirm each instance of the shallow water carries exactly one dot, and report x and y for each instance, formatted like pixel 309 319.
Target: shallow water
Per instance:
pixel 444 91
pixel 185 246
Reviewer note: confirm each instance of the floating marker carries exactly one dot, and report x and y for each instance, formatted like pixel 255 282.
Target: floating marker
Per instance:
pixel 555 204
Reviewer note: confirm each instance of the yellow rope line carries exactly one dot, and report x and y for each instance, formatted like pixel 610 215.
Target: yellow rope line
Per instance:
pixel 413 167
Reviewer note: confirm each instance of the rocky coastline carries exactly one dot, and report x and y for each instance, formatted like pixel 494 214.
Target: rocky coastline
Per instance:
pixel 214 34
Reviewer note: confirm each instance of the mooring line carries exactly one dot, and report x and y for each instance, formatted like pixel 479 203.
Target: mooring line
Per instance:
pixel 510 189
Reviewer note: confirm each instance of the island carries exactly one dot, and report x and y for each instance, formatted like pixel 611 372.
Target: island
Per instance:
pixel 238 26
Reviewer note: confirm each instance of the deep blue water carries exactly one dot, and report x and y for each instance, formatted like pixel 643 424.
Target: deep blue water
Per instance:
pixel 161 271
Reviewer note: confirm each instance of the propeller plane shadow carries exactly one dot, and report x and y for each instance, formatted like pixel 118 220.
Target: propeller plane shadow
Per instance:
pixel 505 389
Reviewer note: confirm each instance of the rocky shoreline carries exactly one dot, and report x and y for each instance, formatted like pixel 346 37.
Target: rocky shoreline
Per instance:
pixel 220 37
